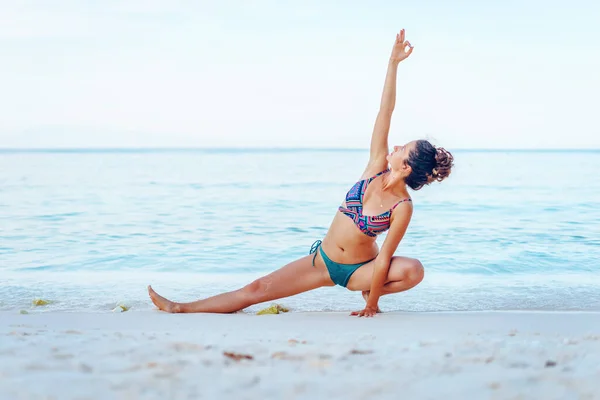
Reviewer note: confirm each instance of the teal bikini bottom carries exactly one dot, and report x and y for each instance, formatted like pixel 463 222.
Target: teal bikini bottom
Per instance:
pixel 340 273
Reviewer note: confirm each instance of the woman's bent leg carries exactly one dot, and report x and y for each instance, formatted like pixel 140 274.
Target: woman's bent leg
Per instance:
pixel 296 277
pixel 404 273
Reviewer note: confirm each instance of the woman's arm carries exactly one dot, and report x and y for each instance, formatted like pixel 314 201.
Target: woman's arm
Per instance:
pixel 379 140
pixel 401 217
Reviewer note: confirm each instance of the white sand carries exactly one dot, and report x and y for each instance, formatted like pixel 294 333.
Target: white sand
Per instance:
pixel 520 355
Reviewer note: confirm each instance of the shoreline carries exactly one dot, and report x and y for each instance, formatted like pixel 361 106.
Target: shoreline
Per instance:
pixel 252 311
pixel 440 292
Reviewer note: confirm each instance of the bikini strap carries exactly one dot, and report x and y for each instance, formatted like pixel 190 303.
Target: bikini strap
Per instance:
pixel 380 173
pixel 313 249
pixel 401 201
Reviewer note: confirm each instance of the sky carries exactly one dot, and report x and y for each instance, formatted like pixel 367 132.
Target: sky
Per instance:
pixel 275 73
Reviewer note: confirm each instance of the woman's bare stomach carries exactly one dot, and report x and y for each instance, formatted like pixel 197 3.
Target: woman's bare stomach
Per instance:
pixel 346 244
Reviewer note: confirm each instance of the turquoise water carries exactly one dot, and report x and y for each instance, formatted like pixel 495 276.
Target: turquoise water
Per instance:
pixel 508 230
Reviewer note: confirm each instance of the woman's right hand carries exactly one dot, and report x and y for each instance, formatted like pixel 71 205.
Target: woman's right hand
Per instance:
pixel 400 52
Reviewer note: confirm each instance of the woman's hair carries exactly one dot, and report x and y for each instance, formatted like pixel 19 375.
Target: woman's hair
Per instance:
pixel 428 164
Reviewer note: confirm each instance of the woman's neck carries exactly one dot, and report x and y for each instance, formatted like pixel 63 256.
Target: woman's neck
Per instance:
pixel 394 184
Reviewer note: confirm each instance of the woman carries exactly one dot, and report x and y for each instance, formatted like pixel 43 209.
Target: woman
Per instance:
pixel 348 255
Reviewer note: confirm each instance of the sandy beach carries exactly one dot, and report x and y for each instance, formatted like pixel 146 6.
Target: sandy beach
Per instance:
pixel 152 355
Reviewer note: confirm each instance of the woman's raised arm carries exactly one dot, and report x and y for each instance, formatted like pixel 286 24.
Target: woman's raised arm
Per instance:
pixel 379 141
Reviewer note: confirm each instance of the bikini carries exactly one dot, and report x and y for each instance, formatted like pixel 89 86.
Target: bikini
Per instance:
pixel 370 225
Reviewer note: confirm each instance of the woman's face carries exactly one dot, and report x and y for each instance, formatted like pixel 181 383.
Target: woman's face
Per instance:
pixel 398 157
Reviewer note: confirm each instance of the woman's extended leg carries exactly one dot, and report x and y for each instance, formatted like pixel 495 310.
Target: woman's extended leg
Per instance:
pixel 296 277
pixel 404 273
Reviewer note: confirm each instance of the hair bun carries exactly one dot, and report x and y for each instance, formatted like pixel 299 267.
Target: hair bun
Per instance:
pixel 444 162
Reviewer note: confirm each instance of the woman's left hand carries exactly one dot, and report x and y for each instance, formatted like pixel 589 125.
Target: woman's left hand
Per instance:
pixel 367 312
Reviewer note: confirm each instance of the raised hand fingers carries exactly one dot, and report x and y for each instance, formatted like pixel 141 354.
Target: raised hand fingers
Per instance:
pixel 410 48
pixel 402 36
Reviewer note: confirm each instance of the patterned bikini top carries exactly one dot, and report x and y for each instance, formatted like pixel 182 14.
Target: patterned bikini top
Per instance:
pixel 370 225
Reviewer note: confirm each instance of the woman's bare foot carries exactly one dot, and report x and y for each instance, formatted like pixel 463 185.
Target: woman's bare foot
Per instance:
pixel 365 295
pixel 162 303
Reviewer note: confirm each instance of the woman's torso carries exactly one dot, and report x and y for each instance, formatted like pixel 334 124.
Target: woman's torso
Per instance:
pixel 365 213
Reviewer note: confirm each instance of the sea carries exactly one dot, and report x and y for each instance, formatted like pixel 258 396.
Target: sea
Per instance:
pixel 87 230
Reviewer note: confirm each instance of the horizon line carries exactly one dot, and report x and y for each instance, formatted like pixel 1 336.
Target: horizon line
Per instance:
pixel 256 149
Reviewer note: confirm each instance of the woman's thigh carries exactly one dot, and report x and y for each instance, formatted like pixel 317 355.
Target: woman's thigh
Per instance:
pixel 401 268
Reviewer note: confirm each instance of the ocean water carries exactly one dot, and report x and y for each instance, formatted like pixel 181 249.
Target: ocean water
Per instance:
pixel 509 230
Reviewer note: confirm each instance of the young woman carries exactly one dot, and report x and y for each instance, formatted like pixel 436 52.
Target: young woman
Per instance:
pixel 348 255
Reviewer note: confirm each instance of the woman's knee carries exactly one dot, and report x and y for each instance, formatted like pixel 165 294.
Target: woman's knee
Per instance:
pixel 411 269
pixel 254 292
pixel 416 272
